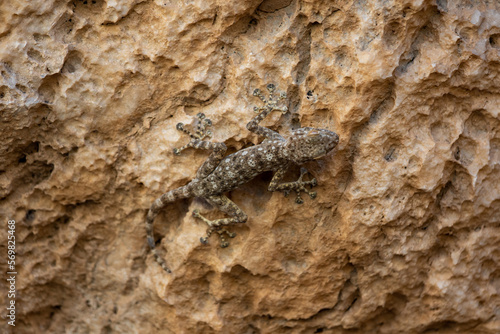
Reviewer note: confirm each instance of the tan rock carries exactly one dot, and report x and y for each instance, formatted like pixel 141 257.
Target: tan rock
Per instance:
pixel 404 235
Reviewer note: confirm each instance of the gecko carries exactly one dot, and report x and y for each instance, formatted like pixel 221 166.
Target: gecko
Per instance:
pixel 220 174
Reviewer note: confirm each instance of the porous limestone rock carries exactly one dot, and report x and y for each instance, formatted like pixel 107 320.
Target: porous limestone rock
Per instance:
pixel 404 235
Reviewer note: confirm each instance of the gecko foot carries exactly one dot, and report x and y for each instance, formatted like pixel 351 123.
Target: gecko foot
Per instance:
pixel 271 103
pixel 201 132
pixel 299 186
pixel 214 226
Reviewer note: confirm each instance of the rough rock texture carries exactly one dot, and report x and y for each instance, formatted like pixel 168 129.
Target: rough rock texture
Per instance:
pixel 403 237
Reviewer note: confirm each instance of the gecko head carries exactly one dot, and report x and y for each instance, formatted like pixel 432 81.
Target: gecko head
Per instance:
pixel 307 144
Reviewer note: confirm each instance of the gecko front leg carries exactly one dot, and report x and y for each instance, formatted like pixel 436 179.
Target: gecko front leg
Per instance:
pixel 198 141
pixel 197 138
pixel 270 105
pixel 297 186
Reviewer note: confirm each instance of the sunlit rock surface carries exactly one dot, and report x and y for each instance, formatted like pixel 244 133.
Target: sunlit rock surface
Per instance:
pixel 404 235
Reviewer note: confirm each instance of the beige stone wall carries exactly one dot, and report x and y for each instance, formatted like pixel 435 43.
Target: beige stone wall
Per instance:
pixel 404 235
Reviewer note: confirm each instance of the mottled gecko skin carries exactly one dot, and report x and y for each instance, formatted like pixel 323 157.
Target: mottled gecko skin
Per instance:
pixel 220 174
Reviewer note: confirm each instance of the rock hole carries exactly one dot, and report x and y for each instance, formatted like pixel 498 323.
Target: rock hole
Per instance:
pixel 438 326
pixel 396 301
pixel 495 151
pixel 392 31
pixel 405 62
pixel 62 221
pixel 384 100
pixel 342 58
pixel 476 125
pixel 54 310
pixel 391 154
pixel 6 72
pixel 464 150
pixel 35 55
pixel 40 37
pixel 73 62
pixel 440 132
pixel 442 5
pixel 467 34
pixel 200 94
pixel 63 26
pixel 426 34
pixel 352 303
pixel 456 153
pixel 30 215
pixel 39 171
pixel 23 89
pixel 495 41
pixel 270 6
pixel 443 192
pixel 47 89
pixel 32 148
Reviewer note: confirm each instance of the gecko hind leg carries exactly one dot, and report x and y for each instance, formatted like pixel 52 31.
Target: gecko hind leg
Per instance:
pixel 221 231
pixel 220 226
pixel 198 136
pixel 212 227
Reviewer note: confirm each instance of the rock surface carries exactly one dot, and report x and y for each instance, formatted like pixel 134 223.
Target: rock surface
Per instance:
pixel 404 235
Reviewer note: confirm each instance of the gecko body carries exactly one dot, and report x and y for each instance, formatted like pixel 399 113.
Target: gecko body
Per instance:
pixel 220 174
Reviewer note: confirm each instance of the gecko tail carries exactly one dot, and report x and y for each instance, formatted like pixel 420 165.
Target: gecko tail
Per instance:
pixel 154 210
